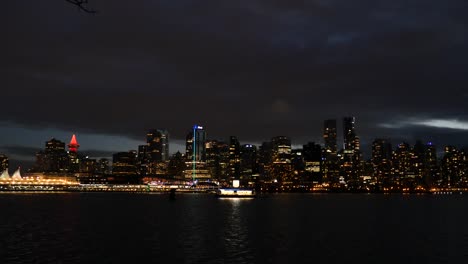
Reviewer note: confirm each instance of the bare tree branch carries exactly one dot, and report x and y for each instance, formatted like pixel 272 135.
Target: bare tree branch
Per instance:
pixel 82 4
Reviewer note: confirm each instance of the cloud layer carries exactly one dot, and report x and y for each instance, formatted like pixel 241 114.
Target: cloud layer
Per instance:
pixel 251 68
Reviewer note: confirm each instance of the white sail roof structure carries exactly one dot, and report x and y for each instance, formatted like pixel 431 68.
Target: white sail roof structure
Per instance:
pixel 5 175
pixel 16 175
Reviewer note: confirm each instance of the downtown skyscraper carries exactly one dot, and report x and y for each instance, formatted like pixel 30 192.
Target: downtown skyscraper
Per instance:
pixel 329 136
pixel 195 154
pixel 157 141
pixel 195 148
pixel 350 139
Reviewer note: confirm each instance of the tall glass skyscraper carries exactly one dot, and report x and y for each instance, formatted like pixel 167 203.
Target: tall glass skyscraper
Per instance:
pixel 195 144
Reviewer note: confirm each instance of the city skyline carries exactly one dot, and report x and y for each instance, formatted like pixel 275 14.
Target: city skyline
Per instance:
pixel 279 70
pixel 274 164
pixel 245 131
pixel 343 137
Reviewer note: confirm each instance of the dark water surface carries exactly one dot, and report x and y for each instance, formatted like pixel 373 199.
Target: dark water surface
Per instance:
pixel 198 228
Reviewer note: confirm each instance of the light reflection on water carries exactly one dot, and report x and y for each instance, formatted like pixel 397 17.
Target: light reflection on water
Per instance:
pixel 140 228
pixel 236 241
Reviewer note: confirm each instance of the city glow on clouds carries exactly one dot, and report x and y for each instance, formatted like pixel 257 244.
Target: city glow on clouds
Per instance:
pixel 437 123
pixel 441 123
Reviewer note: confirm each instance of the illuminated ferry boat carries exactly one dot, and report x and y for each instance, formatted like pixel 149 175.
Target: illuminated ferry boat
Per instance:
pixel 235 191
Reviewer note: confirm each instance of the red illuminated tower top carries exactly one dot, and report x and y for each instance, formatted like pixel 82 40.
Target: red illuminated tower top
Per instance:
pixel 73 146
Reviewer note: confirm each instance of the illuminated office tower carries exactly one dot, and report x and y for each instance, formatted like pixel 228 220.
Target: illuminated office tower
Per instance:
pixel 330 168
pixel 312 156
pixel 265 160
pixel 329 137
pixel 124 164
pixel 157 141
pixel 143 160
pixel 281 150
pixel 176 166
pixel 400 162
pixel 234 158
pixel 248 160
pixel 195 153
pixel 102 166
pixel 351 160
pixel 88 166
pixel 195 148
pixel 350 140
pixel 381 160
pixel 417 161
pixel 431 174
pixel 53 159
pixel 381 150
pixel 217 159
pixel 157 153
pixel 281 156
pixel 451 167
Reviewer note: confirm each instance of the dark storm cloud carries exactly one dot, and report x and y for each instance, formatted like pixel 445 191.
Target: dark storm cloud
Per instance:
pixel 23 152
pixel 252 68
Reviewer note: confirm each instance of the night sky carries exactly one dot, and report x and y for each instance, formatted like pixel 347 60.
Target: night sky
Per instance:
pixel 250 68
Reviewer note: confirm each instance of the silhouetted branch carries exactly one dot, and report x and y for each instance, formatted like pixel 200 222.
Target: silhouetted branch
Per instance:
pixel 82 4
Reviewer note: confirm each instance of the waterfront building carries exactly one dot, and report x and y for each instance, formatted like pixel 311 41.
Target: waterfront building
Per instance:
pixel 124 163
pixel 102 166
pixel 90 172
pixel 196 171
pixel 88 166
